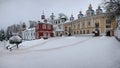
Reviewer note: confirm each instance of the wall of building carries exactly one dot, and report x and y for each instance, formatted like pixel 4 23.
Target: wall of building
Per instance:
pixel 86 25
pixel 44 30
pixel 28 34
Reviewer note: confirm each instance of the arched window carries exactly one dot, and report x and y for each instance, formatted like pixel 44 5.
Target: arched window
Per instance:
pixel 65 28
pixel 88 32
pixel 77 32
pixel 49 27
pixel 88 23
pixel 74 32
pixel 83 31
pixel 44 26
pixel 80 32
pixel 108 23
pixel 96 25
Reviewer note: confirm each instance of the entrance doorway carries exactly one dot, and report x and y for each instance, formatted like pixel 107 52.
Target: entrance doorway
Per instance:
pixel 108 33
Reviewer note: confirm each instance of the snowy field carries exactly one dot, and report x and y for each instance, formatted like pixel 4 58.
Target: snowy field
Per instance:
pixel 63 52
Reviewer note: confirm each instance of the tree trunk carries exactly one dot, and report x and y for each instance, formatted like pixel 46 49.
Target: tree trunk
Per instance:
pixel 17 45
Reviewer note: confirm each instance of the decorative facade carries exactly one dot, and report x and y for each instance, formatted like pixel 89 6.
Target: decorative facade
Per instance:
pixel 29 34
pixel 44 30
pixel 90 23
pixel 58 24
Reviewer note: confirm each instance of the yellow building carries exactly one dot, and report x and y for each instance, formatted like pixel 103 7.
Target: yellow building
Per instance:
pixel 86 24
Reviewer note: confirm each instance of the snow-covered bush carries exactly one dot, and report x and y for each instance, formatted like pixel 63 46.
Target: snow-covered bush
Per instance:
pixel 15 40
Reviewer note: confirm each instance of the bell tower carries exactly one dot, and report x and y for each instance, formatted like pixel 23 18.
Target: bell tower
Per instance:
pixel 90 11
pixel 80 15
pixel 71 18
pixel 52 16
pixel 43 16
pixel 99 10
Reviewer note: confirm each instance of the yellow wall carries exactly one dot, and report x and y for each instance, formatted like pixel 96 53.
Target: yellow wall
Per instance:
pixel 82 24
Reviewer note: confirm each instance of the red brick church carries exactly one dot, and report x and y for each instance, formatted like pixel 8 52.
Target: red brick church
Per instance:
pixel 44 29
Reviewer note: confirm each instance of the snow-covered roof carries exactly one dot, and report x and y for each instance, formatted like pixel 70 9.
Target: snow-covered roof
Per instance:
pixel 30 29
pixel 67 21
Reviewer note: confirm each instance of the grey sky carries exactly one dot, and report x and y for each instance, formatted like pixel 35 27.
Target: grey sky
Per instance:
pixel 14 11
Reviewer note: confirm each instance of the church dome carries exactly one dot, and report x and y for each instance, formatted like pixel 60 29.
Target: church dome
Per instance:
pixel 71 18
pixel 52 16
pixel 99 10
pixel 90 11
pixel 80 15
pixel 43 16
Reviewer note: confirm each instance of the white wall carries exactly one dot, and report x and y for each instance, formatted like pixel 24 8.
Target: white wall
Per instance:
pixel 28 34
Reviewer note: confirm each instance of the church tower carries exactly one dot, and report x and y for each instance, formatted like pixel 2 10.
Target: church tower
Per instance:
pixel 99 10
pixel 71 18
pixel 90 11
pixel 80 15
pixel 43 16
pixel 52 16
pixel 52 19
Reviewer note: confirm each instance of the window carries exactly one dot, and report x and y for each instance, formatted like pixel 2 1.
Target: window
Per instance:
pixel 84 32
pixel 107 26
pixel 87 31
pixel 56 22
pixel 74 33
pixel 83 23
pixel 59 26
pixel 78 25
pixel 96 25
pixel 88 23
pixel 77 32
pixel 108 21
pixel 80 32
pixel 44 26
pixel 49 27
pixel 74 26
pixel 65 28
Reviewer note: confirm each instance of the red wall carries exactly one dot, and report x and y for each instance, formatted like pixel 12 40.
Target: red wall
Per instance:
pixel 40 31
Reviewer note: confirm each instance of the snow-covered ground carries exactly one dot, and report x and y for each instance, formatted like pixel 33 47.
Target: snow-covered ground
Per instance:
pixel 63 52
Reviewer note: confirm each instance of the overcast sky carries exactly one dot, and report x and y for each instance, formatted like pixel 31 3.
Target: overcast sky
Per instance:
pixel 14 11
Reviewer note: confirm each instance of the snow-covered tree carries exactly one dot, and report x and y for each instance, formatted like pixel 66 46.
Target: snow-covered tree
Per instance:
pixel 112 6
pixel 2 35
pixel 8 33
pixel 15 40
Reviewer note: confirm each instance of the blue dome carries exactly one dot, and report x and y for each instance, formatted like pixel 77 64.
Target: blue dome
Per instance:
pixel 80 15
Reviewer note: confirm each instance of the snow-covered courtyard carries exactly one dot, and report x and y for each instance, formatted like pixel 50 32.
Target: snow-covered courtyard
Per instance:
pixel 63 52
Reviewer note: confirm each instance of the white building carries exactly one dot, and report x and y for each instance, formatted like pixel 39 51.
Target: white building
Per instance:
pixel 28 34
pixel 58 23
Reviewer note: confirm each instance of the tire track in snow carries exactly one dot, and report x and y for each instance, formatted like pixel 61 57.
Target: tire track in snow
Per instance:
pixel 25 50
pixel 43 43
pixel 69 45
